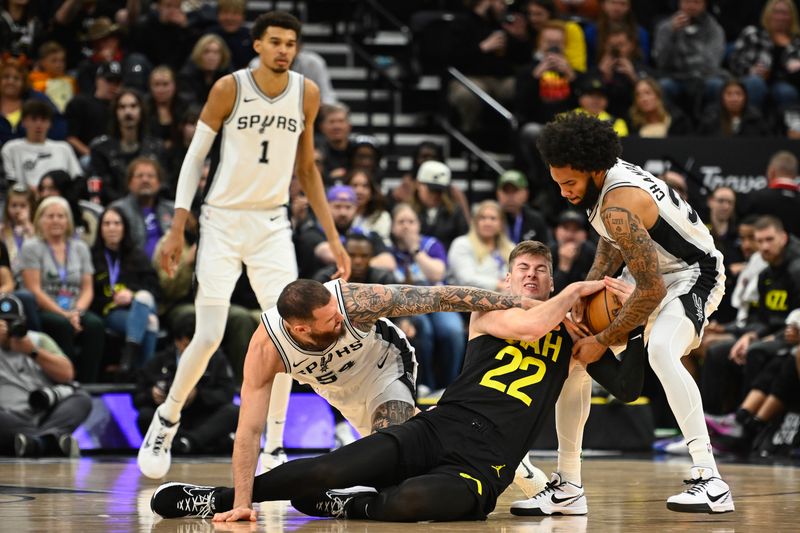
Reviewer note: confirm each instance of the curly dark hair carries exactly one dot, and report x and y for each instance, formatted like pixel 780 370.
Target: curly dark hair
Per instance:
pixel 579 141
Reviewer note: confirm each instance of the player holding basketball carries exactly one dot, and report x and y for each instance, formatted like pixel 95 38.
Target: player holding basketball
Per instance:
pixel 451 462
pixel 267 120
pixel 669 253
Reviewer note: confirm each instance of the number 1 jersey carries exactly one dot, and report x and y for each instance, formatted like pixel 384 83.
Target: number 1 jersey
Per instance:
pixel 512 383
pixel 253 158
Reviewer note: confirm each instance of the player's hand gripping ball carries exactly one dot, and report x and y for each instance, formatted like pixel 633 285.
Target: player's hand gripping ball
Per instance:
pixel 601 309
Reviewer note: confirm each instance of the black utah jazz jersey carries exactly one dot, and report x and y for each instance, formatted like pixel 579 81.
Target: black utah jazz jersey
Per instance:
pixel 514 384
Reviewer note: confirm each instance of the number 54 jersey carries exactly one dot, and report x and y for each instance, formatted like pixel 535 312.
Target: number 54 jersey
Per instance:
pixel 514 384
pixel 253 159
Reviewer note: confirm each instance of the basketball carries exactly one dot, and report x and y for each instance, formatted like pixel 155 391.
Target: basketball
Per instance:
pixel 601 309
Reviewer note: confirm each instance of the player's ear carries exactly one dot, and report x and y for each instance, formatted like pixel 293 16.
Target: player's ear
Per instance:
pixel 257 46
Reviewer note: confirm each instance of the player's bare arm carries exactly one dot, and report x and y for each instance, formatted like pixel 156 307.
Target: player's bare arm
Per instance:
pixel 391 413
pixel 531 324
pixel 365 302
pixel 261 364
pixel 217 108
pixel 627 227
pixel 311 181
pixel 607 261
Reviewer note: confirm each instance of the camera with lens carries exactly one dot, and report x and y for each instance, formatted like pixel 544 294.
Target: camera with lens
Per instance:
pixel 12 313
pixel 47 397
pixel 616 53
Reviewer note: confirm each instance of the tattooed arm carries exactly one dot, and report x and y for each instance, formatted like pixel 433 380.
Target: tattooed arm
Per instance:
pixel 391 413
pixel 365 303
pixel 627 226
pixel 607 261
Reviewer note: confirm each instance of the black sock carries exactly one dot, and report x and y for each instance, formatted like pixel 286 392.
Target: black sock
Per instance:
pixel 743 416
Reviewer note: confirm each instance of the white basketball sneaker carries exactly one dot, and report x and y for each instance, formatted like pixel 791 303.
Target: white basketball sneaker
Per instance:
pixel 528 478
pixel 707 493
pixel 557 497
pixel 273 459
pixel 154 457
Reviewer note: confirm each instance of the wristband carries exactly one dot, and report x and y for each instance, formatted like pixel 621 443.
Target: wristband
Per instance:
pixel 34 354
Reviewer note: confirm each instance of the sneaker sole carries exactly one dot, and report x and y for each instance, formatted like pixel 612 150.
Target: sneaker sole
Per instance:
pixel 539 512
pixel 695 508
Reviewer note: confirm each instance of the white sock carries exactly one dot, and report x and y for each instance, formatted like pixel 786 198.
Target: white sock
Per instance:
pixel 572 411
pixel 278 403
pixel 209 329
pixel 700 450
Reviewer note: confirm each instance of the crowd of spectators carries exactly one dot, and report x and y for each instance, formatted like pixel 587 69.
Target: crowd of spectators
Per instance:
pixel 98 104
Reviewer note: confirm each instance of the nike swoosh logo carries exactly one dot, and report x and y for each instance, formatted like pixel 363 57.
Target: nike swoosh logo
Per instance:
pixel 295 365
pixel 717 497
pixel 562 500
pixel 248 100
pixel 273 219
pixel 383 362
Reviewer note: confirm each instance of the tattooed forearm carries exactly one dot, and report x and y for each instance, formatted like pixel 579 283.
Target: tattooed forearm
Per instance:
pixel 368 302
pixel 391 413
pixel 639 253
pixel 606 262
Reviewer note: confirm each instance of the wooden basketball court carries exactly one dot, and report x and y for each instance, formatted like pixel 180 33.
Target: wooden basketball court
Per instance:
pixel 109 494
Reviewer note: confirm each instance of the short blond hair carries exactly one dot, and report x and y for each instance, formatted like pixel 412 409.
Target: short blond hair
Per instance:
pixel 531 248
pixel 203 42
pixel 48 202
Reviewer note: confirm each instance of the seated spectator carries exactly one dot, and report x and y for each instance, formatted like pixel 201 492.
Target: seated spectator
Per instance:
pixel 677 182
pixel 359 248
pixel 164 107
pixel 17 221
pixel 620 66
pixel 539 13
pixel 652 117
pixel 425 151
pixel 8 285
pixel 313 248
pixel 782 194
pixel 422 260
pixel 480 258
pixel 26 160
pixel 88 114
pixel 163 34
pixel 370 213
pixel 439 215
pixel 31 424
pixel 486 50
pixel 364 153
pixel 20 29
pixel 85 214
pixel 522 222
pixel 334 127
pixel 58 270
pixel 593 100
pixel 230 26
pixel 128 139
pixel 767 58
pixel 209 61
pixel 149 215
pixel 185 125
pixel 51 78
pixel 733 117
pixel 208 420
pixel 724 230
pixel 14 92
pixel 125 287
pixel 688 49
pixel 572 252
pixel 615 13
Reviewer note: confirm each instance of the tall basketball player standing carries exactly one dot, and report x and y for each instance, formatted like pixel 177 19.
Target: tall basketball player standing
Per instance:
pixel 266 117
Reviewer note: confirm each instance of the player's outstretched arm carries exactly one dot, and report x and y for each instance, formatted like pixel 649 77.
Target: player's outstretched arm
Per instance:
pixel 623 378
pixel 311 181
pixel 261 364
pixel 367 302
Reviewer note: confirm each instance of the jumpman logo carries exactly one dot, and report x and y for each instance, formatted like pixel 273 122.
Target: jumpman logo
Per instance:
pixel 498 468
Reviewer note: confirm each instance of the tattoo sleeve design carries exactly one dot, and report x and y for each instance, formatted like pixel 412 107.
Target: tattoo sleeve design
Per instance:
pixel 606 262
pixel 391 413
pixel 365 303
pixel 639 253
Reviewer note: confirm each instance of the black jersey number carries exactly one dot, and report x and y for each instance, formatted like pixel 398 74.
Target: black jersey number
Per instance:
pixel 518 362
pixel 264 147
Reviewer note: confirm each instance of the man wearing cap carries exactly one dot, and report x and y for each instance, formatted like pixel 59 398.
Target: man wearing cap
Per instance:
pixel 593 100
pixel 87 114
pixel 572 252
pixel 439 215
pixel 32 361
pixel 314 251
pixel 523 222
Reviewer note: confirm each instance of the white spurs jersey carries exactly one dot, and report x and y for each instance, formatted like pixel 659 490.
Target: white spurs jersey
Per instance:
pixel 682 240
pixel 253 158
pixel 357 358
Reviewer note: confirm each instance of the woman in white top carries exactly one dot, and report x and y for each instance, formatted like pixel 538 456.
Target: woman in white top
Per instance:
pixel 370 215
pixel 480 258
